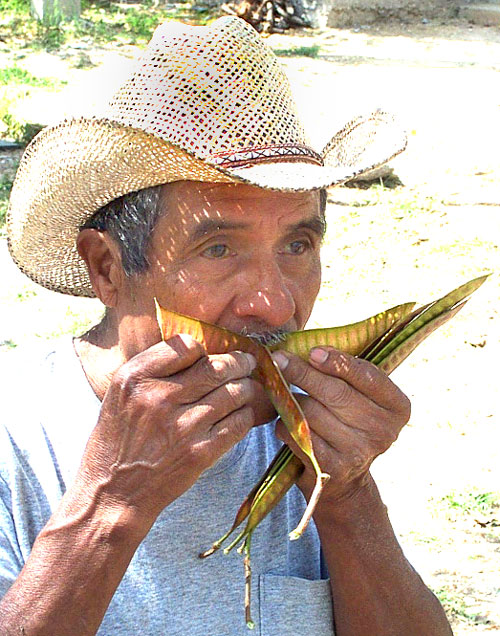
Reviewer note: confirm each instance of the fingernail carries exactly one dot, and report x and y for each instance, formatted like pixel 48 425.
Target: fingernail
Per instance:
pixel 186 339
pixel 281 359
pixel 318 355
pixel 251 359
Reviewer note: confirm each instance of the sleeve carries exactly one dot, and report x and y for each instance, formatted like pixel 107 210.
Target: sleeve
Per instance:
pixel 10 552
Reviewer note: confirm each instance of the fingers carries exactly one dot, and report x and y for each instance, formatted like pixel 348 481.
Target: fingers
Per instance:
pixel 232 428
pixel 187 374
pixel 354 411
pixel 350 379
pixel 165 358
pixel 204 414
pixel 350 403
pixel 207 374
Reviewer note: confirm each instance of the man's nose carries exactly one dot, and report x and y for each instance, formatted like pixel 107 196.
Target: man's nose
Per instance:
pixel 264 294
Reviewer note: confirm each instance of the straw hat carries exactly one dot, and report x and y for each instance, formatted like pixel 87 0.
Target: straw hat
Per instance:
pixel 204 104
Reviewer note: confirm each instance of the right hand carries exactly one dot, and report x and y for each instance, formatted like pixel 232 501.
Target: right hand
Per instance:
pixel 169 414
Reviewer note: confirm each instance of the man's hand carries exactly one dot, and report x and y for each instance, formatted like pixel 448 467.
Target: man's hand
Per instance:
pixel 354 411
pixel 169 414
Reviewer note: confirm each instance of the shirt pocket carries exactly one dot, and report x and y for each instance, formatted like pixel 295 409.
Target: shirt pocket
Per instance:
pixel 290 606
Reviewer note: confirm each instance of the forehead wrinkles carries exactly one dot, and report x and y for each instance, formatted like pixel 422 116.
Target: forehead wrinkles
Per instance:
pixel 193 210
pixel 209 196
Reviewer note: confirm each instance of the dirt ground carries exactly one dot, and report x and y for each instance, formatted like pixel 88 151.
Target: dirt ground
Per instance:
pixel 441 227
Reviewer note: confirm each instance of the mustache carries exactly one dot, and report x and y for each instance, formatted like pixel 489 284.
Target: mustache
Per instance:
pixel 267 338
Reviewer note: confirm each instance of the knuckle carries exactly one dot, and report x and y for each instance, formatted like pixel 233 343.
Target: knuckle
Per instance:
pixel 198 456
pixel 183 343
pixel 239 392
pixel 299 371
pixel 145 400
pixel 381 433
pixel 126 379
pixel 405 408
pixel 243 420
pixel 196 415
pixel 240 363
pixel 340 394
pixel 233 395
pixel 359 460
pixel 218 369
pixel 211 370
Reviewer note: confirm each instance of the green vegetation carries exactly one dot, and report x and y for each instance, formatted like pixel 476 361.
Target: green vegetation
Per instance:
pixel 454 605
pixel 299 51
pixel 116 22
pixel 5 345
pixel 472 502
pixel 26 294
pixel 20 76
pixel 16 84
pixel 20 131
pixel 418 537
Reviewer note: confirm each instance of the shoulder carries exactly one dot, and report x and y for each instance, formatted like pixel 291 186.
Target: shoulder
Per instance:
pixel 47 415
pixel 25 371
pixel 30 378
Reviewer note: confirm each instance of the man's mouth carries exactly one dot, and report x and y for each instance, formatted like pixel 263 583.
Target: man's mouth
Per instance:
pixel 267 338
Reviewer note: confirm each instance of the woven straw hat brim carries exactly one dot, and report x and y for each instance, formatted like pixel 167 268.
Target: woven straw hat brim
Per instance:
pixel 71 170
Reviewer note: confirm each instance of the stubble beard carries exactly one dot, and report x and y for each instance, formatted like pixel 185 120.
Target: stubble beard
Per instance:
pixel 267 338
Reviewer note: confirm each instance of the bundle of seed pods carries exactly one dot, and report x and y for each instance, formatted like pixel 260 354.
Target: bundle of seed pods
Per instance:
pixel 385 339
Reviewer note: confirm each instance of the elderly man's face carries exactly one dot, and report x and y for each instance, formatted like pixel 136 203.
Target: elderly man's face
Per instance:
pixel 235 255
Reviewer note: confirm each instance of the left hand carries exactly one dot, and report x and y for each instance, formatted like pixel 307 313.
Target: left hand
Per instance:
pixel 355 412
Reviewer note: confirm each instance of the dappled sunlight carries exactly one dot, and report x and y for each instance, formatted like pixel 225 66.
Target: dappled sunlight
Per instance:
pixel 382 247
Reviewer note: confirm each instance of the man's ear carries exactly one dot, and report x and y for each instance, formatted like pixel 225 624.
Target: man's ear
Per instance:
pixel 104 264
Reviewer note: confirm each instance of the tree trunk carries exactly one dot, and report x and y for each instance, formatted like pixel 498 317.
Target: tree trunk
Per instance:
pixel 275 16
pixel 52 12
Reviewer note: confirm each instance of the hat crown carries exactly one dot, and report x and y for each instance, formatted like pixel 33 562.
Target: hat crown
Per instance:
pixel 210 90
pixel 205 104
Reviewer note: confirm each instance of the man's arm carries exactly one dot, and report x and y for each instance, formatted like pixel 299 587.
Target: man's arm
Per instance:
pixel 167 416
pixel 355 413
pixel 375 589
pixel 75 566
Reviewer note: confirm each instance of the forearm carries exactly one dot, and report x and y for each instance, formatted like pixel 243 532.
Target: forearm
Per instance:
pixel 75 566
pixel 375 589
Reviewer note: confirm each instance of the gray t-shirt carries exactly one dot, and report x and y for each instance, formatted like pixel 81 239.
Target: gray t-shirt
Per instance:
pixel 48 412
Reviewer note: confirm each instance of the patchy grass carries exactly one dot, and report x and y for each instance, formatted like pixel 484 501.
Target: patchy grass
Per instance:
pixel 455 606
pixel 116 23
pixel 471 502
pixel 299 51
pixel 20 76
pixel 17 84
pixel 19 130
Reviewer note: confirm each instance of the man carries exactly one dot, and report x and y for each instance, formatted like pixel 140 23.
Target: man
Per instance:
pixel 131 455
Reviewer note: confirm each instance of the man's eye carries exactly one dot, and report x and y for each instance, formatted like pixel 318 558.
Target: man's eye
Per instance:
pixel 216 251
pixel 297 247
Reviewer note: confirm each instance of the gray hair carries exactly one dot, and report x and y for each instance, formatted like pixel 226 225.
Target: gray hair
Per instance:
pixel 130 221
